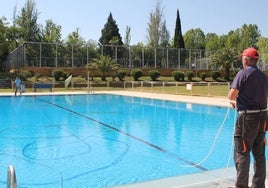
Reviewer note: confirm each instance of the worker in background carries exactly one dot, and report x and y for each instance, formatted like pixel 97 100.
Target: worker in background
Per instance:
pixel 18 85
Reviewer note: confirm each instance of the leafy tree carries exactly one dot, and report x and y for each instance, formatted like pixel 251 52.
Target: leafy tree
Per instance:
pixel 233 39
pixel 164 35
pixel 127 37
pixel 75 45
pixel 27 22
pixel 224 58
pixel 194 39
pixel 90 67
pixel 75 38
pixel 29 29
pixel 213 42
pixel 263 49
pixel 249 35
pixel 92 50
pixel 157 31
pixel 13 33
pixel 137 54
pixel 126 53
pixel 51 32
pixel 105 65
pixel 3 43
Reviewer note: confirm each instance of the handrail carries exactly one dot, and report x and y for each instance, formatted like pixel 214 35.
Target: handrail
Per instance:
pixel 11 177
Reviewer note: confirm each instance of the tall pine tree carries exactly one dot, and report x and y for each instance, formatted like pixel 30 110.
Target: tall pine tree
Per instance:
pixel 110 32
pixel 111 38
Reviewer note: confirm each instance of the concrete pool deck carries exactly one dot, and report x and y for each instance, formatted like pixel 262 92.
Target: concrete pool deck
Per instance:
pixel 218 101
pixel 221 178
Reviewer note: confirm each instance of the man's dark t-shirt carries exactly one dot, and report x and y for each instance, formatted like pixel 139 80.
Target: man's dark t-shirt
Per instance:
pixel 253 89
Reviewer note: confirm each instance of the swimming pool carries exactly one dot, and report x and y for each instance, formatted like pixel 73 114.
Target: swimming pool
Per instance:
pixel 105 140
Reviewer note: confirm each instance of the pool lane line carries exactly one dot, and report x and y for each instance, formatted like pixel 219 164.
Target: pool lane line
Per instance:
pixel 131 136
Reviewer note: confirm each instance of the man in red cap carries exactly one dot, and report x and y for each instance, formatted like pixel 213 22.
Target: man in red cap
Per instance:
pixel 248 94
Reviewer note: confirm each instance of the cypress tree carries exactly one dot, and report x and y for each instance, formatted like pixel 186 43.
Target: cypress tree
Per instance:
pixel 178 39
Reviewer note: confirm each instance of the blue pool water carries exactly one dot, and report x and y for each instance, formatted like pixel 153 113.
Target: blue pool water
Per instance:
pixel 106 140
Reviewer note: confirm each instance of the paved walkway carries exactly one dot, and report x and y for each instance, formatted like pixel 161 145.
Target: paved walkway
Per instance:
pixel 218 101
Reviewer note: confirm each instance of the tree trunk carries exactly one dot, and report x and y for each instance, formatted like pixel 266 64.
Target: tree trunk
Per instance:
pixel 227 74
pixel 103 78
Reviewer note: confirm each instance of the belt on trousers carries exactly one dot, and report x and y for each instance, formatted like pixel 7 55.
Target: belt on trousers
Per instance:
pixel 251 111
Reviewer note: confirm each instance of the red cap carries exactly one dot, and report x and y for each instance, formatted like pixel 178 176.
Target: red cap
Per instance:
pixel 251 53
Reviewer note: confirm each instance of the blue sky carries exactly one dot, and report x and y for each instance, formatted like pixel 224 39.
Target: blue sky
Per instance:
pixel 89 16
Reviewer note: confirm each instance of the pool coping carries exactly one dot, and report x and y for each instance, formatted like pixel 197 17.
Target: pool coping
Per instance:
pixel 220 178
pixel 218 101
pixel 209 179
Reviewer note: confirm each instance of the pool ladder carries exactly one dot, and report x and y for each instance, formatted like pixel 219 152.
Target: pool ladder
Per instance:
pixel 11 177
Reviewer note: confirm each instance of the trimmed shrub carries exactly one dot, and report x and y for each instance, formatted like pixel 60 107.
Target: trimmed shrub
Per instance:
pixel 37 76
pixel 4 75
pixel 59 74
pixel 178 75
pixel 24 74
pixel 203 76
pixel 190 75
pixel 154 74
pixel 121 74
pixel 136 74
pixel 215 75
